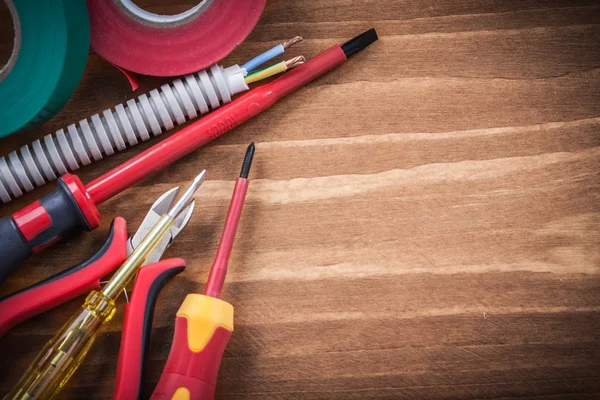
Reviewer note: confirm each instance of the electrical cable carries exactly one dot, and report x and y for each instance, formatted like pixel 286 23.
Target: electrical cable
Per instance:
pixel 134 121
pixel 274 69
pixel 220 121
pixel 270 54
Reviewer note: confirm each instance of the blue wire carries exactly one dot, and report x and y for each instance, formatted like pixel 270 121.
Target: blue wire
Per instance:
pixel 263 58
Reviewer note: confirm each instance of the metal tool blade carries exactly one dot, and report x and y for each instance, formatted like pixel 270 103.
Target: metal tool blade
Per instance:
pixel 187 196
pixel 158 209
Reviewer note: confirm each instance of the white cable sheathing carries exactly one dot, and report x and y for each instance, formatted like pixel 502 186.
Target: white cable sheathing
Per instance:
pixel 172 104
pixel 10 180
pixel 107 145
pixel 113 129
pixel 57 160
pixel 221 85
pixel 90 140
pixel 140 126
pixel 159 108
pixel 200 101
pixel 210 90
pixel 105 133
pixel 73 134
pixel 4 196
pixel 40 155
pixel 185 98
pixel 125 125
pixel 149 115
pixel 32 169
pixel 16 167
pixel 65 150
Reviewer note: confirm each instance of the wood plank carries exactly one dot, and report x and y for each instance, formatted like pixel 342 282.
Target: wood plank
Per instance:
pixel 422 223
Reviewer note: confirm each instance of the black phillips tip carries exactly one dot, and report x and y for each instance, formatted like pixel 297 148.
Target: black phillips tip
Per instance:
pixel 359 42
pixel 247 161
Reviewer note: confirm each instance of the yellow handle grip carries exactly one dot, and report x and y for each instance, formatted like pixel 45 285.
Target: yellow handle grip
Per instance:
pixel 61 357
pixel 202 329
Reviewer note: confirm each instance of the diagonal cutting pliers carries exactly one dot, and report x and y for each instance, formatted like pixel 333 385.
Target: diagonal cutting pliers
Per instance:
pixel 84 277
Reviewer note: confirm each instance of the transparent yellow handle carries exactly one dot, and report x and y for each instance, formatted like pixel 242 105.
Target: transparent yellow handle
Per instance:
pixel 61 357
pixel 64 353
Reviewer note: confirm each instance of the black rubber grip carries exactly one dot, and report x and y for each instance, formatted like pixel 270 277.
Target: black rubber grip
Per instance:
pixel 151 298
pixel 66 217
pixel 137 327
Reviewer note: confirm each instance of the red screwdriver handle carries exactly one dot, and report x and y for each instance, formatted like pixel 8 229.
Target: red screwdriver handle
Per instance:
pixel 66 209
pixel 68 284
pixel 137 327
pixel 202 329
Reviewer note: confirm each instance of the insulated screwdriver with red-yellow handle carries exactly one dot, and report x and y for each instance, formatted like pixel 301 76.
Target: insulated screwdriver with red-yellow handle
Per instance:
pixel 203 325
pixel 72 206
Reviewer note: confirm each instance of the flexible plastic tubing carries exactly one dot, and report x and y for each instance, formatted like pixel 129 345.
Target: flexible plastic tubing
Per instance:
pixel 102 134
pixel 264 57
pixel 211 126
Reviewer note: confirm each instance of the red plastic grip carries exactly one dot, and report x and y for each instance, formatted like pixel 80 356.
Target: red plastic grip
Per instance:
pixel 32 220
pixel 137 326
pixel 195 371
pixel 66 285
pixel 66 209
pixel 84 200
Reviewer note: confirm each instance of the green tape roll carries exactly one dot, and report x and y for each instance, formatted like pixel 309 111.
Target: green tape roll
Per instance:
pixel 52 39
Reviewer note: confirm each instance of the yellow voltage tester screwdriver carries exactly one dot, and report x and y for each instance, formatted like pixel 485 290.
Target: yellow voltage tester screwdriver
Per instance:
pixel 61 357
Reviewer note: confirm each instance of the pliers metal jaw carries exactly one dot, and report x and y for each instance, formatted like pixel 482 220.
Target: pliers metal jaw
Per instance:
pixel 139 312
pixel 84 277
pixel 160 207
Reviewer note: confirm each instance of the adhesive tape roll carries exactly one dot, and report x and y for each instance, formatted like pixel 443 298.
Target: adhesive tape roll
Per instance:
pixel 169 45
pixel 51 45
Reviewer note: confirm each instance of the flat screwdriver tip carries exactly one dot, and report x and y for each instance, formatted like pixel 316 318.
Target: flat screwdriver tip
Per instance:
pixel 247 161
pixel 359 42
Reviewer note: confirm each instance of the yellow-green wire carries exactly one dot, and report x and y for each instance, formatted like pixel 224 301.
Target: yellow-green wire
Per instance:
pixel 267 72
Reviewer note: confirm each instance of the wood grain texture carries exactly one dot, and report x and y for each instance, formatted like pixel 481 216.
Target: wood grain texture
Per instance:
pixel 423 222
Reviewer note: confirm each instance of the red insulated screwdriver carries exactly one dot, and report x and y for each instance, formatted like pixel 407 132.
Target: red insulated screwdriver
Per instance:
pixel 204 323
pixel 72 206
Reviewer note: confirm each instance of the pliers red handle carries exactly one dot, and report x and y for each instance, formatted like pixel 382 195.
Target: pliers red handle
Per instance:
pixel 137 327
pixel 202 329
pixel 84 277
pixel 67 284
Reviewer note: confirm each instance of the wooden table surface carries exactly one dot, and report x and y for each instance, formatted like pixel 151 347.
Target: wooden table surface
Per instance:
pixel 422 222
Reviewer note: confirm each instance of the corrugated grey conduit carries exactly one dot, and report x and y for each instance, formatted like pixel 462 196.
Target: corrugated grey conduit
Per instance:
pixel 129 123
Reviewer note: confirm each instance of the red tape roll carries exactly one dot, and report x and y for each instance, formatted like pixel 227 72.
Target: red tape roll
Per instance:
pixel 171 46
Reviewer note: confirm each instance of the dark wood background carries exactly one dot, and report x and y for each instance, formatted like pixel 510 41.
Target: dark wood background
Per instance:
pixel 423 222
